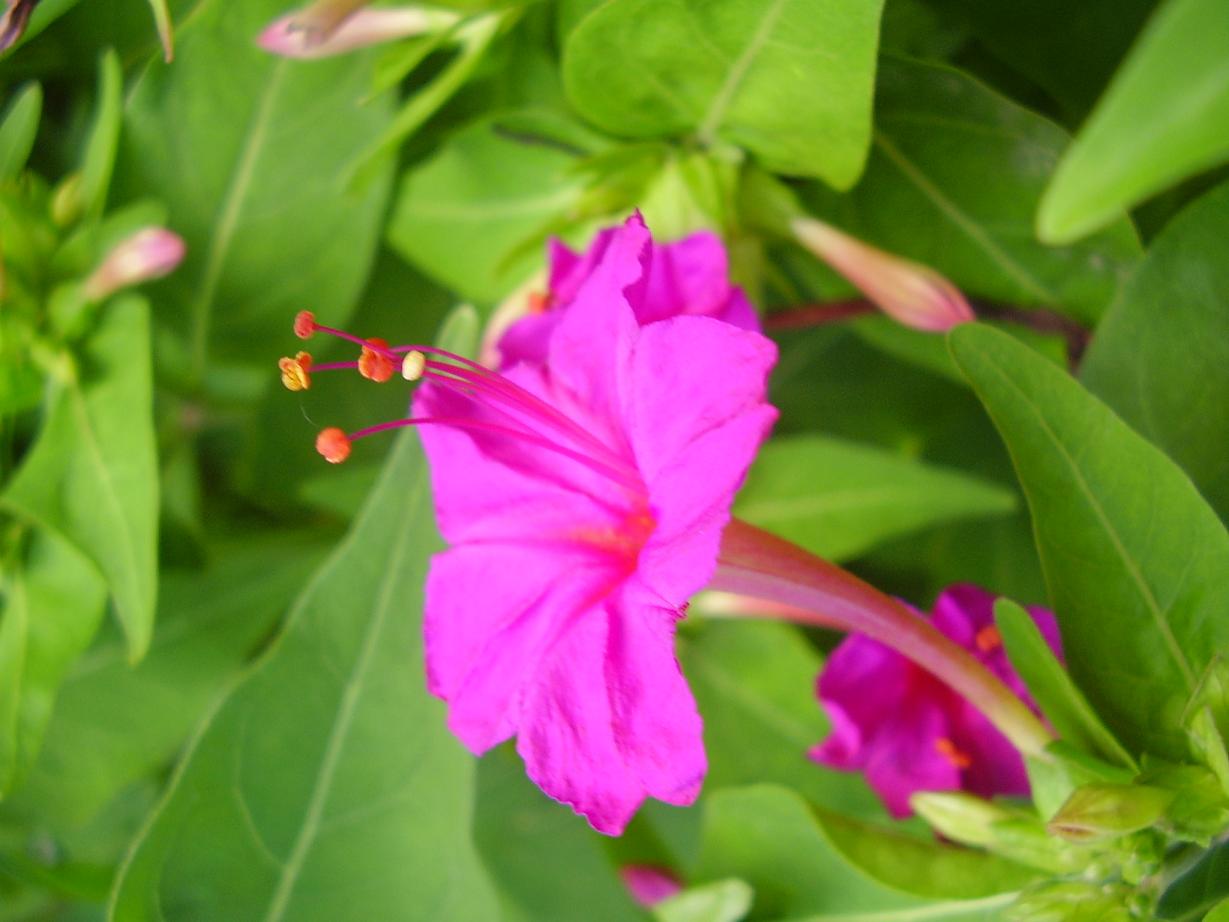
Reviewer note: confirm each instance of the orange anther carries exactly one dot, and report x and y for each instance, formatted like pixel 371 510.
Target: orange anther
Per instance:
pixel 333 444
pixel 538 302
pixel 304 324
pixel 988 639
pixel 295 372
pixel 947 749
pixel 374 363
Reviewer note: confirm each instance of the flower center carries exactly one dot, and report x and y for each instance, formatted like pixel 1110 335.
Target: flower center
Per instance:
pixel 511 411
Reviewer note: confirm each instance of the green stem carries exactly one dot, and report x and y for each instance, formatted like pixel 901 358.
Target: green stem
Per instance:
pixel 755 563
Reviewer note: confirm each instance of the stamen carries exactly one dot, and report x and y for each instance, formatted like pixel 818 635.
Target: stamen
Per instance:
pixel 413 365
pixel 988 639
pixel 295 372
pixel 946 748
pixel 374 362
pixel 304 324
pixel 333 444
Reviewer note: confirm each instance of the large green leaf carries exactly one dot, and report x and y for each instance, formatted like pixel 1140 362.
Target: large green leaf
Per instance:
pixel 1137 564
pixel 544 863
pixel 1161 357
pixel 114 724
pixel 755 684
pixel 464 216
pixel 954 179
pixel 838 499
pixel 249 152
pixel 326 786
pixel 766 835
pixel 50 607
pixel 92 475
pixel 789 80
pixel 1164 117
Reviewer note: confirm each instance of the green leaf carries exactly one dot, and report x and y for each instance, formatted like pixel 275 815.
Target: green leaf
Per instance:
pixel 789 80
pixel 1218 913
pixel 50 607
pixel 1161 357
pixel 755 685
pixel 721 901
pixel 18 127
pixel 99 159
pixel 768 837
pixel 1202 887
pixel 838 499
pixel 1062 703
pixel 953 181
pixel 92 475
pixel 268 227
pixel 326 785
pixel 924 867
pixel 1164 117
pixel 1136 563
pixel 115 724
pixel 461 214
pixel 545 864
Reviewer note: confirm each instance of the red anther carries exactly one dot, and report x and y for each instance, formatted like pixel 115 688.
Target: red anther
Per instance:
pixel 374 363
pixel 304 324
pixel 333 444
pixel 956 757
pixel 295 375
pixel 988 639
pixel 538 302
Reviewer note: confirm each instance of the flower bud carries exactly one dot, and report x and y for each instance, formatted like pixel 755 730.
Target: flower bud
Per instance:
pixel 150 253
pixel 1096 812
pixel 910 293
pixel 13 21
pixel 973 820
pixel 305 34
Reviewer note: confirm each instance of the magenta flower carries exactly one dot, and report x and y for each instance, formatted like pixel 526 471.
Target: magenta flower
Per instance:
pixel 687 278
pixel 649 884
pixel 910 732
pixel 583 500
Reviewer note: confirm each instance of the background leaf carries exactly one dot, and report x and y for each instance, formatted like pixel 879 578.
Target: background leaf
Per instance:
pixel 50 607
pixel 1161 357
pixel 249 153
pixel 954 178
pixel 92 474
pixel 1164 117
pixel 326 785
pixel 789 80
pixel 1137 564
pixel 838 499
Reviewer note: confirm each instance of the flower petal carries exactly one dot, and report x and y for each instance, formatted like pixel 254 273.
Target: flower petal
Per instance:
pixel 691 278
pixel 493 612
pixel 611 719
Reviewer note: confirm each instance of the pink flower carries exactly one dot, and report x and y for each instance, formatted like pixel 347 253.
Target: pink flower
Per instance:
pixel 910 732
pixel 297 35
pixel 687 278
pixel 147 254
pixel 583 500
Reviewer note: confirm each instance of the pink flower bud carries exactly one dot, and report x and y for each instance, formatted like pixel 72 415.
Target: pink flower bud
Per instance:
pixel 150 253
pixel 297 35
pixel 13 21
pixel 649 885
pixel 910 293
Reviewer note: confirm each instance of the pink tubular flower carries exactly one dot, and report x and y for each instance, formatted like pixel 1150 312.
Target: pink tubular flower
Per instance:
pixel 649 884
pixel 687 278
pixel 147 254
pixel 295 36
pixel 583 500
pixel 910 732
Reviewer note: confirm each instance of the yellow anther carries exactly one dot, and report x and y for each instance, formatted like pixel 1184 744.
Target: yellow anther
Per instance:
pixel 295 372
pixel 413 365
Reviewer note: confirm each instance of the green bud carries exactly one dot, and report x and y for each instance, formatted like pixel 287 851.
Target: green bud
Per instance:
pixel 1097 812
pixel 1073 902
pixel 66 202
pixel 1014 834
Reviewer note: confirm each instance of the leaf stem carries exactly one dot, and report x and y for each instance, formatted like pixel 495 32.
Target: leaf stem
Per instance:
pixel 755 563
